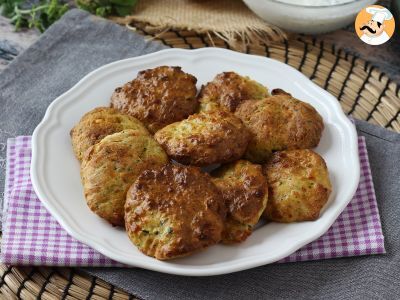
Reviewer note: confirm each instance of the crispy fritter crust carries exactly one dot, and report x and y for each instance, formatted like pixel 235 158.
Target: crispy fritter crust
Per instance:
pixel 158 97
pixel 205 138
pixel 97 124
pixel 279 122
pixel 228 90
pixel 275 92
pixel 174 211
pixel 299 186
pixel 245 192
pixel 110 167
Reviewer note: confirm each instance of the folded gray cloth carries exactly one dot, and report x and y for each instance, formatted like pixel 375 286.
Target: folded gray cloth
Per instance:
pixel 79 43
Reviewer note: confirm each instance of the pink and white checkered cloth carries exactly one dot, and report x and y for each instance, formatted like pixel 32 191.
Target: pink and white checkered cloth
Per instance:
pixel 31 236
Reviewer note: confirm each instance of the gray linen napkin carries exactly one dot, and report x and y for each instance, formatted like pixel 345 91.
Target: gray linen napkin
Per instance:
pixel 79 43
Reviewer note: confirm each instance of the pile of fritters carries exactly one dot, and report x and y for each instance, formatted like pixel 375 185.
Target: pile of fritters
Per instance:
pixel 141 160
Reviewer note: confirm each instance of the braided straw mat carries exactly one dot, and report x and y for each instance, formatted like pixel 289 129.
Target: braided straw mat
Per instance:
pixel 363 91
pixel 229 20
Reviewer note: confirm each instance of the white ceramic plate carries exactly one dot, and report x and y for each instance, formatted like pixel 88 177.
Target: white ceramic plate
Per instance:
pixel 55 171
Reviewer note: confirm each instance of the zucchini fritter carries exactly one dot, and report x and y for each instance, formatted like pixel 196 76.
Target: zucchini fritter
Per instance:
pixel 158 97
pixel 174 211
pixel 97 124
pixel 299 186
pixel 205 138
pixel 111 166
pixel 228 90
pixel 279 122
pixel 245 191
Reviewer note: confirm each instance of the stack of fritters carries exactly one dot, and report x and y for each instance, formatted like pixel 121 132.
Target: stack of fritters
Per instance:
pixel 97 124
pixel 173 208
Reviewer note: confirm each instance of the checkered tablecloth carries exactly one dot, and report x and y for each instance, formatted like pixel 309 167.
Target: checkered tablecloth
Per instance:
pixel 31 236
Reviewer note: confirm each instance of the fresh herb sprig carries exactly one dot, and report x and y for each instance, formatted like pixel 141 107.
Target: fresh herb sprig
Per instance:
pixel 45 12
pixel 40 15
pixel 105 8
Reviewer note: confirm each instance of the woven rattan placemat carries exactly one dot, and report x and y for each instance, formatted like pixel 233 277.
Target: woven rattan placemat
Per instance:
pixel 363 91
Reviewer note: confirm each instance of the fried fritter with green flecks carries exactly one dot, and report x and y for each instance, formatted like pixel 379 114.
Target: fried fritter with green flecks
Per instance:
pixel 111 166
pixel 299 186
pixel 174 211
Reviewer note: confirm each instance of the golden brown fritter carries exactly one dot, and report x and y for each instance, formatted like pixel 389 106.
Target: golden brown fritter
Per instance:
pixel 279 122
pixel 110 167
pixel 205 138
pixel 299 186
pixel 174 211
pixel 97 124
pixel 158 97
pixel 245 191
pixel 228 90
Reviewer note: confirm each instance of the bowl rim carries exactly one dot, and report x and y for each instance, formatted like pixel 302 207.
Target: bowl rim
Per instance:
pixel 317 6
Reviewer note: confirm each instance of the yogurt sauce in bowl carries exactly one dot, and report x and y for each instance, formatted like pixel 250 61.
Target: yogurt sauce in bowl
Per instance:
pixel 308 16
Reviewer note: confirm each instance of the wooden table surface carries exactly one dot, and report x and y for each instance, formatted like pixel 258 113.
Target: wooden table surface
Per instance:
pixel 386 57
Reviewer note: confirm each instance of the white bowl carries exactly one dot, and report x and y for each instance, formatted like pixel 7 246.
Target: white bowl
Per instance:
pixel 310 19
pixel 55 170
